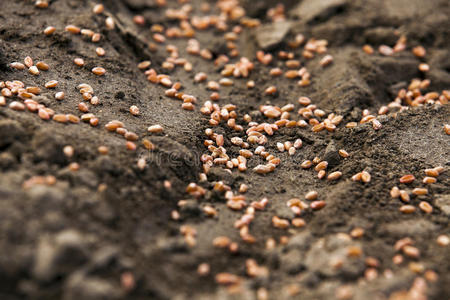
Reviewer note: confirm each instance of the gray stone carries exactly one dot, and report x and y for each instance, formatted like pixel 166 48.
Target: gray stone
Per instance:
pixel 270 35
pixel 310 10
pixel 443 203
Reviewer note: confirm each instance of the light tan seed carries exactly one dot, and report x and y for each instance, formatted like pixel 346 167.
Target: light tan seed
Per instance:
pixel 144 64
pixel 60 118
pixel 311 195
pixel 72 29
pixel 79 61
pixel 306 164
pixel 357 232
pixel 98 71
pixel 221 242
pixel 59 96
pixel 443 240
pixel 368 49
pixel 404 195
pixel 429 180
pixel 17 65
pixel 432 172
pixel 326 60
pixel 426 207
pixel 28 61
pixel 317 205
pixel 98 9
pixel 49 30
pixel 298 222
pixel 343 153
pixel 17 106
pixel 51 84
pixel 110 24
pixel 33 70
pixel 365 176
pixel 407 178
pixel 407 209
pixel 203 269
pixel 134 110
pixel 100 51
pixel 103 150
pixel 419 51
pixel 155 129
pixel 130 146
pixel 2 101
pixel 447 129
pixel 96 37
pixel 321 166
pixel 420 191
pixel 334 175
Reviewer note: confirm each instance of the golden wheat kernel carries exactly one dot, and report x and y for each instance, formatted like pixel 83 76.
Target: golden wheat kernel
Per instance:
pixel 404 196
pixel 33 70
pixel 424 67
pixel 34 90
pixel 431 172
pixel 60 118
pixel 83 107
pixel 87 96
pixel 429 180
pixel 420 191
pixel 411 251
pixel 395 192
pixel 134 110
pixel 98 9
pixel 317 205
pixel 98 71
pixel 407 178
pixel 49 30
pixel 311 195
pixel 68 151
pixel 321 166
pixel 306 164
pixel 79 61
pixel 407 209
pixel 397 259
pixel 365 176
pixel 279 223
pixel 419 51
pixel 386 50
pixel 334 175
pixel 443 240
pixel 203 269
pixel 109 22
pixel 2 101
pixel 357 232
pixel 87 32
pixel 72 29
pixel 17 65
pixel 100 51
pixel 368 49
pixel 155 129
pixel 103 150
pixel 447 129
pixel 96 37
pixel 326 60
pixel 17 106
pixel 28 61
pixel 221 242
pixel 6 92
pixel 42 66
pixel 425 207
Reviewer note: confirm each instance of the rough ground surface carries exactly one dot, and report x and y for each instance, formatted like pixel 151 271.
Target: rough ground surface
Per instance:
pixel 72 240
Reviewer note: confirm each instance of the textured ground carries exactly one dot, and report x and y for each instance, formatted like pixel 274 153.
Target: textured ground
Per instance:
pixel 76 238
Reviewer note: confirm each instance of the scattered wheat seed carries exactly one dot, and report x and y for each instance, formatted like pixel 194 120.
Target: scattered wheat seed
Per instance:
pixel 17 106
pixel 334 175
pixel 447 129
pixel 72 29
pixel 98 71
pixel 407 178
pixel 407 209
pixel 100 51
pixel 426 207
pixel 429 180
pixel 51 84
pixel 68 151
pixel 42 66
pixel 98 9
pixel 17 65
pixel 33 70
pixel 443 240
pixel 134 110
pixel 155 129
pixel 49 30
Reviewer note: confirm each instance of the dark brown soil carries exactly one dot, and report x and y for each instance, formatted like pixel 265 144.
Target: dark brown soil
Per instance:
pixel 73 240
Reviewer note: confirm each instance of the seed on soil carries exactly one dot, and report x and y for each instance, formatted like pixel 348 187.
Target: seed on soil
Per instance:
pixel 311 195
pixel 407 178
pixel 317 205
pixel 109 22
pixel 49 30
pixel 68 151
pixel 72 29
pixel 426 207
pixel 326 60
pixel 79 61
pixel 103 150
pixel 447 129
pixel 59 96
pixel 443 240
pixel 368 49
pixel 98 9
pixel 17 65
pixel 98 71
pixel 404 196
pixel 203 269
pixel 28 61
pixel 420 191
pixel 33 70
pixel 155 129
pixel 17 106
pixel 334 175
pixel 134 110
pixel 419 51
pixel 280 223
pixel 357 232
pixel 42 66
pixel 100 51
pixel 429 180
pixel 407 209
pixel 51 84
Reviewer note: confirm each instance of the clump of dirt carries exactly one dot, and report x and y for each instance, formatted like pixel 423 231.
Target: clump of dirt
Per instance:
pixel 86 225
